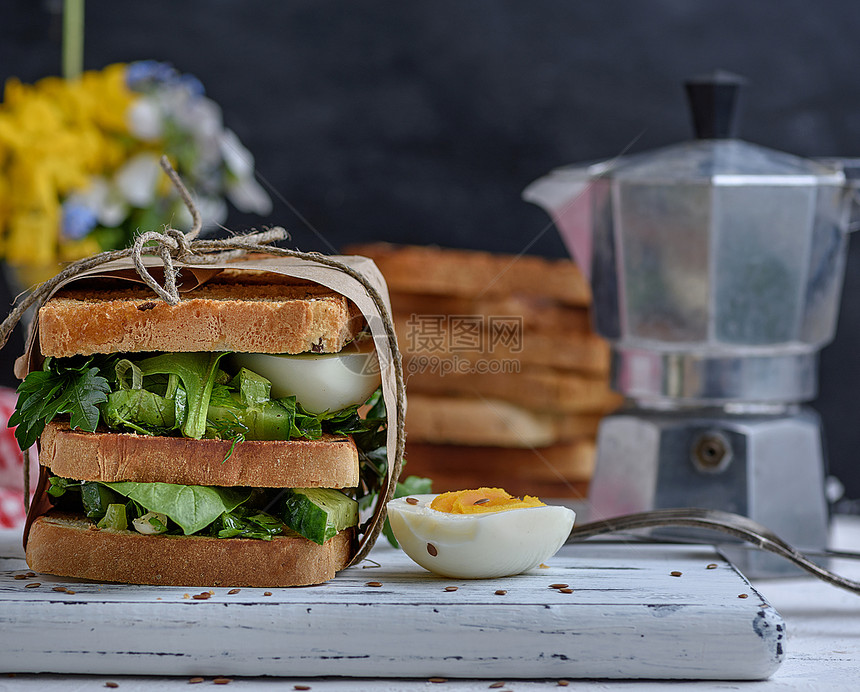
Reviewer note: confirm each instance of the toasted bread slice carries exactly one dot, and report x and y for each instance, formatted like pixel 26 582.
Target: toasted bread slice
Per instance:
pixel 217 316
pixel 579 352
pixel 490 422
pixel 72 546
pixel 330 462
pixel 565 461
pixel 560 470
pixel 468 273
pixel 537 314
pixel 532 387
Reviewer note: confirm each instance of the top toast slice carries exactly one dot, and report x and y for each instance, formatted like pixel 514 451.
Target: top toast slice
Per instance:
pixel 281 316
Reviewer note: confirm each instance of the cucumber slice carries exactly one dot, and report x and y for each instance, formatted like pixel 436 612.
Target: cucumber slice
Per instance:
pixel 319 513
pixel 114 518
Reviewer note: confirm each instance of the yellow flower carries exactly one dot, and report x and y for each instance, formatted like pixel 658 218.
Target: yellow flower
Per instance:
pixel 55 137
pixel 33 223
pixel 71 250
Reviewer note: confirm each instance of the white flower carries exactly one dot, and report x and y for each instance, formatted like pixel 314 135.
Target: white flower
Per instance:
pixel 243 190
pixel 238 160
pixel 198 116
pixel 145 119
pixel 248 195
pixel 104 200
pixel 137 179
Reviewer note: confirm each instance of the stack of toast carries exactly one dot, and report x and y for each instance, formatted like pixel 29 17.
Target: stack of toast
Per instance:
pixel 506 379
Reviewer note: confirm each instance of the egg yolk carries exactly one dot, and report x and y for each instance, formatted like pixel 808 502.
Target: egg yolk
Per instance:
pixel 481 501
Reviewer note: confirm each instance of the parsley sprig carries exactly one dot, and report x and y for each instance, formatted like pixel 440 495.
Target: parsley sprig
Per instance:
pixel 71 386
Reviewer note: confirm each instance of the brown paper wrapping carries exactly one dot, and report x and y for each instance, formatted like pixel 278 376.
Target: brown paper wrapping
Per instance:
pixel 193 275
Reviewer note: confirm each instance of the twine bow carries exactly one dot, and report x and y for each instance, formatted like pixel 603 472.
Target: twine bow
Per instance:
pixel 175 246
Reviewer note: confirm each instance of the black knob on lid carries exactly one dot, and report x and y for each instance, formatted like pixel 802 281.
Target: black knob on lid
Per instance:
pixel 713 102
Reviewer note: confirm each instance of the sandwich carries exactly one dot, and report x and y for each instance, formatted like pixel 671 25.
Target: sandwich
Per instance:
pixel 216 442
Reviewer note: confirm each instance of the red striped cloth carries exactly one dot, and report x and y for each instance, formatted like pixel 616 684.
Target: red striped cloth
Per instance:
pixel 12 513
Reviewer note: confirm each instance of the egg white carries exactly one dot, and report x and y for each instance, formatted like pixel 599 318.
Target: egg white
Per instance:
pixel 319 381
pixel 478 546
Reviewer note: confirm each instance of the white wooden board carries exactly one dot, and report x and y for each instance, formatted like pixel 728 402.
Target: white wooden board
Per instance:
pixel 627 617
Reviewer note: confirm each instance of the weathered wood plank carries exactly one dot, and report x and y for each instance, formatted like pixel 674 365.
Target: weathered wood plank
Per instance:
pixel 627 617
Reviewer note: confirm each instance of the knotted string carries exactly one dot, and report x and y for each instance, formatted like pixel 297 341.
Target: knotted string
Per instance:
pixel 175 246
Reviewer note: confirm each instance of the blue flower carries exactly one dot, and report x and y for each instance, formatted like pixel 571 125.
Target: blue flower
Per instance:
pixel 143 73
pixel 192 84
pixel 78 220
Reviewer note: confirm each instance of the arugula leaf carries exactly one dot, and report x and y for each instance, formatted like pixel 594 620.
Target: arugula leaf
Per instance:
pixel 343 422
pixel 72 386
pixel 376 402
pixel 247 523
pixel 142 411
pixel 193 507
pixel 58 486
pixel 198 372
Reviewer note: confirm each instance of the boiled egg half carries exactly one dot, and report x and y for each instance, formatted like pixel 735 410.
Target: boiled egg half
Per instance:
pixel 478 534
pixel 319 381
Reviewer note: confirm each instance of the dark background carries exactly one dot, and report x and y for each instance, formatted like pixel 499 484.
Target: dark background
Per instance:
pixel 422 122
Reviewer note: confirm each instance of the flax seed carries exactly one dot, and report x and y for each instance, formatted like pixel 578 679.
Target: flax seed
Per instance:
pixel 743 595
pixel 61 589
pixel 20 576
pixel 451 588
pixel 201 597
pixel 267 593
pixel 558 586
pixel 675 574
pixel 232 592
pixel 222 681
pixel 432 550
pixel 111 684
pixel 482 501
pixel 497 685
pixel 713 565
pixel 412 500
pixel 195 681
pixel 301 687
pixel 374 584
pixel 500 592
pixel 438 680
pixel 565 590
pixel 70 592
pixel 33 585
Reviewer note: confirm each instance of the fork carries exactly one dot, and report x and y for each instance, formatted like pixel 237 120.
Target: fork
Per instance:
pixel 726 522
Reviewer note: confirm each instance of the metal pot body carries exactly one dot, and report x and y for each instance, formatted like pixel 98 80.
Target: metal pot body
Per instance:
pixel 716 267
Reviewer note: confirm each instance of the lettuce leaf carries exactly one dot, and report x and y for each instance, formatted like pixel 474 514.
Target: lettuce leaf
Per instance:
pixel 192 507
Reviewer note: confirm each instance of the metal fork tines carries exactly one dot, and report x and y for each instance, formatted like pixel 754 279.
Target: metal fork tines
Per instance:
pixel 734 525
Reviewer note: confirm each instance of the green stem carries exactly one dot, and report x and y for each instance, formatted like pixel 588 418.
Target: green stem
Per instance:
pixel 73 39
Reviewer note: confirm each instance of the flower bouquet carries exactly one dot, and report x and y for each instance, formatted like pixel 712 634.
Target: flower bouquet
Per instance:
pixel 79 169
